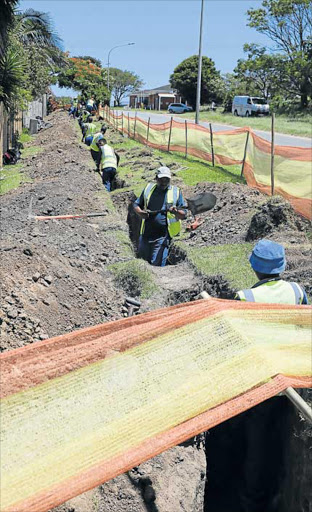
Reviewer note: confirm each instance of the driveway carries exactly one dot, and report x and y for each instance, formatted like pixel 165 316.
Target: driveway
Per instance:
pixel 280 138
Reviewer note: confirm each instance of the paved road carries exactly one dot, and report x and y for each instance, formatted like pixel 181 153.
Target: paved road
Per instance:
pixel 280 139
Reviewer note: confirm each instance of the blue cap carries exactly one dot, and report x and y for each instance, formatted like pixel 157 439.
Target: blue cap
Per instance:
pixel 268 257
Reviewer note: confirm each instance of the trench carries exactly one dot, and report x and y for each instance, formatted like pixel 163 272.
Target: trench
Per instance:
pixel 229 462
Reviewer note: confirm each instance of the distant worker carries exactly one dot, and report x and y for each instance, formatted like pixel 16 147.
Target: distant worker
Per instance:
pixel 268 261
pixel 108 163
pixel 88 131
pixel 161 207
pixel 90 104
pixel 255 440
pixel 83 117
pixel 95 147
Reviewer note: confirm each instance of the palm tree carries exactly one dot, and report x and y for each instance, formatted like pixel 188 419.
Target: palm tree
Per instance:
pixel 40 47
pixel 6 19
pixel 35 29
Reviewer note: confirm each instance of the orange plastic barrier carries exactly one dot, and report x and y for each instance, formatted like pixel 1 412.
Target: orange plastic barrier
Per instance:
pixel 292 165
pixel 81 408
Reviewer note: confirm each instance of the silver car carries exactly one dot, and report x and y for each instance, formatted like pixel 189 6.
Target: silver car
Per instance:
pixel 179 108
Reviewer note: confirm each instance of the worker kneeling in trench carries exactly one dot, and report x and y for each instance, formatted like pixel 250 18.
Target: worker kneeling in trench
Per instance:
pixel 161 207
pixel 246 455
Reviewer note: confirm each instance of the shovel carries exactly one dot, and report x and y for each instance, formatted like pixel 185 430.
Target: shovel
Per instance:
pixel 198 204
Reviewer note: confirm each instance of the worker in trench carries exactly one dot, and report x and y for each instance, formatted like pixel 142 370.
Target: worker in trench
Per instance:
pixel 161 207
pixel 89 129
pixel 108 163
pixel 95 146
pixel 248 451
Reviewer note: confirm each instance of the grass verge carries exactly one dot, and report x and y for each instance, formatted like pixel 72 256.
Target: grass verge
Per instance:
pixel 11 177
pixel 192 171
pixel 134 278
pixel 31 151
pixel 228 260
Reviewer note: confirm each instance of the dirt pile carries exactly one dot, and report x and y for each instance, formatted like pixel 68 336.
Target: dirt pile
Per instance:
pixel 275 214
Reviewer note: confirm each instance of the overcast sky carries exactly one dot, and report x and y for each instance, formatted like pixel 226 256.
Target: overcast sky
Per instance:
pixel 164 32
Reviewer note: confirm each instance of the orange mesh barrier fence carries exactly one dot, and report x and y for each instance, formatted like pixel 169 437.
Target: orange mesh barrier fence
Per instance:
pixel 81 408
pixel 292 165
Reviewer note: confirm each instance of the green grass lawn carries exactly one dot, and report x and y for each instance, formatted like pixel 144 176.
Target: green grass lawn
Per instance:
pixel 11 177
pixel 291 125
pixel 193 170
pixel 228 260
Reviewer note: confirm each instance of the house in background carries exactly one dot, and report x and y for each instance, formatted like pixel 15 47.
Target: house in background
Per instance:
pixel 155 99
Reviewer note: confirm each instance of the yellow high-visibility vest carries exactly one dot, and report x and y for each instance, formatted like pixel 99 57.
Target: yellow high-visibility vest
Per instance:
pixel 172 196
pixel 91 127
pixel 96 138
pixel 108 158
pixel 273 292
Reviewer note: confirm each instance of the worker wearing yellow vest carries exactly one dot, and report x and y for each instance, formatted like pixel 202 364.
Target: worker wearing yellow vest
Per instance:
pixel 108 164
pixel 91 104
pixel 161 208
pixel 95 147
pixel 250 449
pixel 88 131
pixel 268 261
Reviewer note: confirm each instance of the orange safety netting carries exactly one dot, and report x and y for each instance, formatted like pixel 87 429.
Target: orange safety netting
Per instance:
pixel 292 165
pixel 81 408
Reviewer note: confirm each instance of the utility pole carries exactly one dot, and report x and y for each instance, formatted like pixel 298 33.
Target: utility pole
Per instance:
pixel 199 64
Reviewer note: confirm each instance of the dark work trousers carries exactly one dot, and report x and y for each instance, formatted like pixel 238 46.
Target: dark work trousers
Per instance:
pixel 108 174
pixel 156 251
pixel 246 459
pixel 96 155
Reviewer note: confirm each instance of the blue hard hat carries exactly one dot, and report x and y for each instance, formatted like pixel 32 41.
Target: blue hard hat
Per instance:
pixel 268 257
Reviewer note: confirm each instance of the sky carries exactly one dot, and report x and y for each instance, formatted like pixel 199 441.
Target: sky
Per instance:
pixel 164 32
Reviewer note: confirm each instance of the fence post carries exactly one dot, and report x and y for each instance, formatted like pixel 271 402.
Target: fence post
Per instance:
pixel 128 125
pixel 211 142
pixel 148 126
pixel 245 153
pixel 170 133
pixel 135 119
pixel 122 123
pixel 272 154
pixel 185 122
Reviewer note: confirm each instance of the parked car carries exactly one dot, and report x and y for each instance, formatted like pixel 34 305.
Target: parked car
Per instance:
pixel 249 106
pixel 179 108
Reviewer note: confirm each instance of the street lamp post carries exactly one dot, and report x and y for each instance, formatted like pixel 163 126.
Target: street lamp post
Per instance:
pixel 199 64
pixel 118 46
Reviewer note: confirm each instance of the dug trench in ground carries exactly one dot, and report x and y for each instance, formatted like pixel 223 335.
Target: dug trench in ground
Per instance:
pixel 62 275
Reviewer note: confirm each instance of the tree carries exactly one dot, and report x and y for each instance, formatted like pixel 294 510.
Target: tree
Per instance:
pixel 261 72
pixel 123 82
pixel 6 20
pixel 33 51
pixel 95 61
pixel 85 76
pixel 184 79
pixel 288 23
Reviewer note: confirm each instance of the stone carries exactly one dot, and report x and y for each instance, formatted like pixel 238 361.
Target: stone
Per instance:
pixel 28 251
pixel 36 276
pixel 12 313
pixel 48 278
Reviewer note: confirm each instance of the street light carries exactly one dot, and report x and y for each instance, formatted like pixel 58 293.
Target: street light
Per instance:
pixel 199 64
pixel 118 46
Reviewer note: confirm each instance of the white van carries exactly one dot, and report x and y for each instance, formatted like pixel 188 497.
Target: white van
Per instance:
pixel 249 106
